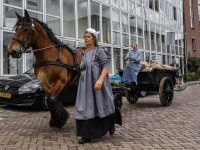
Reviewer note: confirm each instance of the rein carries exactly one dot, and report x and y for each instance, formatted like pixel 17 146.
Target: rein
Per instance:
pixel 27 51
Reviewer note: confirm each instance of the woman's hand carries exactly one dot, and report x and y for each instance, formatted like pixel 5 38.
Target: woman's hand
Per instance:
pixel 133 58
pixel 98 85
pixel 99 82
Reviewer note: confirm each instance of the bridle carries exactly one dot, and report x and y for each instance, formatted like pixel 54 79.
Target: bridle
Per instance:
pixel 31 32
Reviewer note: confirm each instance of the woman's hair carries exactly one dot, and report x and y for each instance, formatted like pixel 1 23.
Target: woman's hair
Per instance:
pixel 95 39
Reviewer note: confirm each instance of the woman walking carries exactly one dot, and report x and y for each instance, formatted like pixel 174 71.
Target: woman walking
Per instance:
pixel 95 112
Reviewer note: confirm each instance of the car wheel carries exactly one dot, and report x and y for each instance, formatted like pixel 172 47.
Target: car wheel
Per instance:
pixel 143 93
pixel 44 102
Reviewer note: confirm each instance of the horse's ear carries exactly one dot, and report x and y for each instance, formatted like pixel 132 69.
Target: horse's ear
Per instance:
pixel 18 16
pixel 26 15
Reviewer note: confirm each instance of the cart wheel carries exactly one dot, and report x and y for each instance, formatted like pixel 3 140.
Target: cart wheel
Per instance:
pixel 166 91
pixel 131 96
pixel 118 100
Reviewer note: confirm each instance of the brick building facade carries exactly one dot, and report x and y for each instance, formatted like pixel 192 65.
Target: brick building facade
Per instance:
pixel 192 27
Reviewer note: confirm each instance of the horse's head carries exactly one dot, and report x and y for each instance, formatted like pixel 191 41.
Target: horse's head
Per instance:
pixel 24 31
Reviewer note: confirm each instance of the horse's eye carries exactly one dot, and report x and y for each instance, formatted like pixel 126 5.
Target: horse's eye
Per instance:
pixel 25 30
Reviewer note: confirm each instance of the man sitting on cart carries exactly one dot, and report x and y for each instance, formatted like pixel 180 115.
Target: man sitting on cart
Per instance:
pixel 133 68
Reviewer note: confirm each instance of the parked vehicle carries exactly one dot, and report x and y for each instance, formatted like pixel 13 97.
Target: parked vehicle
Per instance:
pixel 26 90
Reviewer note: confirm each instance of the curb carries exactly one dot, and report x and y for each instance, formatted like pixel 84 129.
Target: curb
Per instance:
pixel 186 85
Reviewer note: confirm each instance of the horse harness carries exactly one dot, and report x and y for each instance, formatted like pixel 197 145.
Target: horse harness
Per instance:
pixel 58 62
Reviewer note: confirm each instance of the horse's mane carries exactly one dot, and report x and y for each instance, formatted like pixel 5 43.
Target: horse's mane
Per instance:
pixel 44 26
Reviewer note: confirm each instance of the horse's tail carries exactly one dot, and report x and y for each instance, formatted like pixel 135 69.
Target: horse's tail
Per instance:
pixel 59 115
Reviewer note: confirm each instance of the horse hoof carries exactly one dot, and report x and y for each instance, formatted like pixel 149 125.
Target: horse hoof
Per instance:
pixel 57 128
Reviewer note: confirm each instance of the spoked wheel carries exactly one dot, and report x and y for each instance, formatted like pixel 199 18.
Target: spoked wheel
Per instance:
pixel 118 100
pixel 166 91
pixel 131 96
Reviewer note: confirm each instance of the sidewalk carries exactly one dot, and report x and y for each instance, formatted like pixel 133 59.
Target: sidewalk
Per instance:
pixel 184 85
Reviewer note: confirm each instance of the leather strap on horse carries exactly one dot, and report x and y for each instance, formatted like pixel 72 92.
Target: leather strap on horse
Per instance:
pixel 31 32
pixel 74 52
pixel 59 62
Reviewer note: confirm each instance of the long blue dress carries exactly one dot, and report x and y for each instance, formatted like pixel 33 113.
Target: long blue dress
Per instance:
pixel 131 71
pixel 94 110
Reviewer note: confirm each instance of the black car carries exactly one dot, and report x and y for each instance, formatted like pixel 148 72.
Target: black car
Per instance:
pixel 26 90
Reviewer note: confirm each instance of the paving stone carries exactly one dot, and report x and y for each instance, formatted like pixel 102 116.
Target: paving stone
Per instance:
pixel 146 125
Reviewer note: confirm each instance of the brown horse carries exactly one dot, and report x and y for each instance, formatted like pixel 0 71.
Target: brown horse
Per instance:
pixel 34 33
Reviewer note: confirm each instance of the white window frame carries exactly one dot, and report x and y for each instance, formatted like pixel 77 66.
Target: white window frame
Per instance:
pixel 191 14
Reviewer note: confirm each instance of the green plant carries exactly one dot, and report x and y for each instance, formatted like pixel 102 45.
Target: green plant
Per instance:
pixel 191 76
pixel 193 63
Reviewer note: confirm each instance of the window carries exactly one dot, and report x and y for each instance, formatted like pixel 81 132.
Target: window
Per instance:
pixel 13 2
pixel 116 27
pixel 139 27
pixel 54 24
pixel 116 20
pixel 9 16
pixel 30 59
pixel 157 5
pixel 124 4
pixel 191 14
pixel 69 18
pixel 163 59
pixel 95 17
pixel 115 3
pixel 193 44
pixel 151 5
pixel 146 35
pixel 117 59
pixel 106 1
pixel 152 36
pixel 131 7
pixel 140 43
pixel 162 8
pixel 158 38
pixel 147 56
pixel 36 5
pixel 174 13
pixel 159 59
pixel 53 8
pixel 166 8
pixel 10 65
pixel 154 4
pixel 82 17
pixel 163 40
pixel 133 25
pixel 106 24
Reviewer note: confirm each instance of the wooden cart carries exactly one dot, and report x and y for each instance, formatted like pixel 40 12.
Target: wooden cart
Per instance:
pixel 158 80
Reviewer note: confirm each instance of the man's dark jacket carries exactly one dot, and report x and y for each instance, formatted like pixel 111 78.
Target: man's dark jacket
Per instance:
pixel 177 66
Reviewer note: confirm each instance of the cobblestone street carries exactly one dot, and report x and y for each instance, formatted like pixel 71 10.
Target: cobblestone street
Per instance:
pixel 146 125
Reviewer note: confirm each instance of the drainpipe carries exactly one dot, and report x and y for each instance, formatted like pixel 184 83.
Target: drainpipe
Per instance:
pixel 184 42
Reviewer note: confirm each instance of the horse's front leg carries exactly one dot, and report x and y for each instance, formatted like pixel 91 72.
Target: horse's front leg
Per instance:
pixel 59 115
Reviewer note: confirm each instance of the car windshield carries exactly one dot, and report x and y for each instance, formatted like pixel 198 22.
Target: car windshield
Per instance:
pixel 29 71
